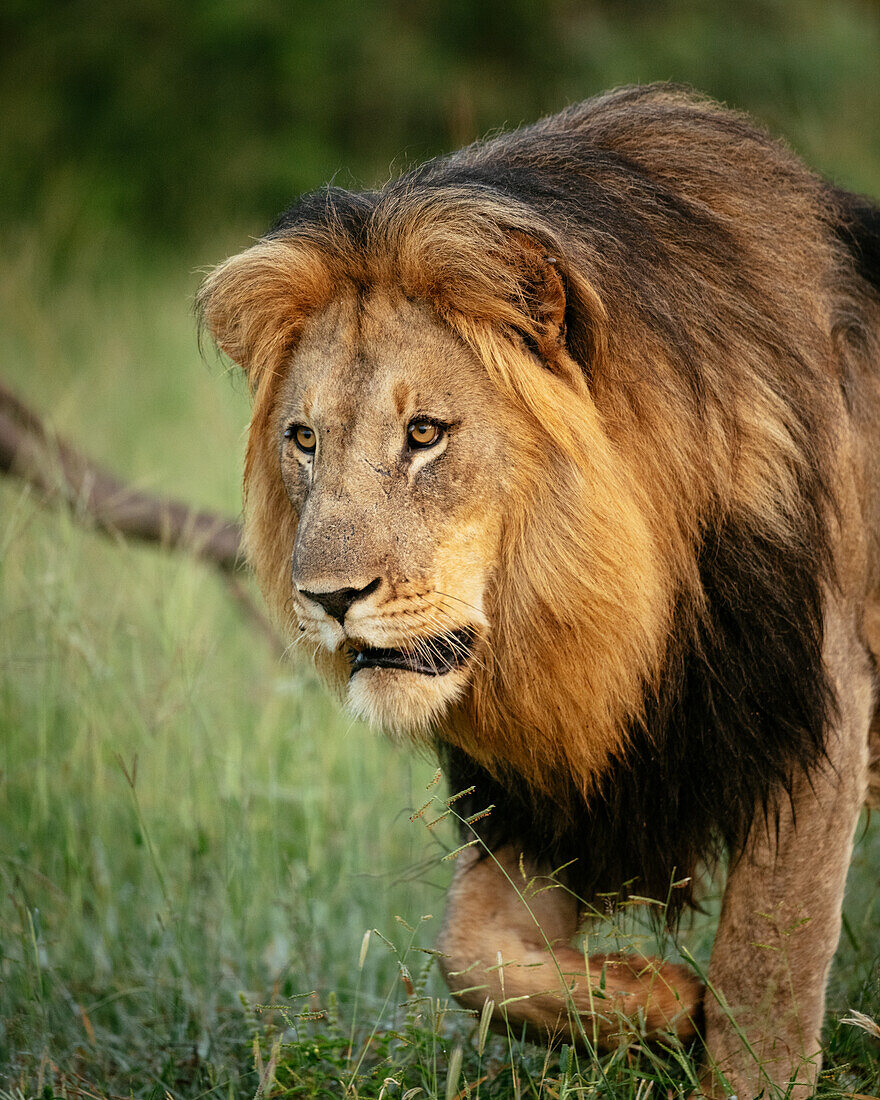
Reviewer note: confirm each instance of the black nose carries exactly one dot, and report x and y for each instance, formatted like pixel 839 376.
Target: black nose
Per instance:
pixel 338 602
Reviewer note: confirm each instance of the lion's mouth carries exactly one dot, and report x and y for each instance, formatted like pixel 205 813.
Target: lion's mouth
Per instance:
pixel 430 657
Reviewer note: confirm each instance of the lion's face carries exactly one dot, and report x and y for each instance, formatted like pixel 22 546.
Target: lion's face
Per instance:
pixel 392 446
pixel 435 499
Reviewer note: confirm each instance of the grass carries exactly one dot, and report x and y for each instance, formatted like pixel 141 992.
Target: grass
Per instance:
pixel 195 844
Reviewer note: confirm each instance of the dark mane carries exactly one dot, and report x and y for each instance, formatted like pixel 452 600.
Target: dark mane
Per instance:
pixel 743 701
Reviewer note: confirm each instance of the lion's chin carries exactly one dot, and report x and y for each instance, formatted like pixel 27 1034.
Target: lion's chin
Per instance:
pixel 404 704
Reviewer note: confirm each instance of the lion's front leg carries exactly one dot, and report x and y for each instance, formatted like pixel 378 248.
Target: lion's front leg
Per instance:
pixel 781 917
pixel 510 943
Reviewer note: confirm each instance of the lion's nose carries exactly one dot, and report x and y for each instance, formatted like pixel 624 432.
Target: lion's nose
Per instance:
pixel 337 602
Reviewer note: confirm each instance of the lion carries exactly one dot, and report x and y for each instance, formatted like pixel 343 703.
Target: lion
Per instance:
pixel 563 461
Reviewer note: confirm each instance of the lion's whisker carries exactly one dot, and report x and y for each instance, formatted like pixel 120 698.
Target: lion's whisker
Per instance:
pixel 457 599
pixel 460 648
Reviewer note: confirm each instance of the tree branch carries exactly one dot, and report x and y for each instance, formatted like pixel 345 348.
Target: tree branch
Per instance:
pixel 62 474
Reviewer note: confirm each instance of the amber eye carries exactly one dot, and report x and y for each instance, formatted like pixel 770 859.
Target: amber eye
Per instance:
pixel 423 433
pixel 303 437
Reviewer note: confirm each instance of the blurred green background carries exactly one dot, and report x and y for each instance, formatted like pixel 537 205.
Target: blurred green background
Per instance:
pixel 179 120
pixel 264 832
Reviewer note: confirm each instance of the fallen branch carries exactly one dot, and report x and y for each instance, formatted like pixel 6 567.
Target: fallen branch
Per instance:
pixel 63 475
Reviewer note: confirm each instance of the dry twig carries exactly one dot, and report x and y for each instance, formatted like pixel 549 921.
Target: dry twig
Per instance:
pixel 62 474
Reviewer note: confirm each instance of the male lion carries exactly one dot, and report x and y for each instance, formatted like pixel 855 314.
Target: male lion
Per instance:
pixel 563 459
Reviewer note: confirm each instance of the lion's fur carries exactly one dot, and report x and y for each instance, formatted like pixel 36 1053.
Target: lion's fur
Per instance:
pixel 656 509
pixel 668 300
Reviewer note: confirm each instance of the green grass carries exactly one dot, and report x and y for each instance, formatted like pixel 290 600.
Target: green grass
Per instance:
pixel 191 830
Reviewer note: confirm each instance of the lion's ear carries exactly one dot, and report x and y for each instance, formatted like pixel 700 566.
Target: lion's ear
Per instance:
pixel 255 304
pixel 563 316
pixel 542 298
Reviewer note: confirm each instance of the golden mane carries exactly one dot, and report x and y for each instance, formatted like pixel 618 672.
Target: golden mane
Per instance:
pixel 457 255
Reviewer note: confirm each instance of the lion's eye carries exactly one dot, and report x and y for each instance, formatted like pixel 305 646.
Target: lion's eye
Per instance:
pixel 423 433
pixel 303 437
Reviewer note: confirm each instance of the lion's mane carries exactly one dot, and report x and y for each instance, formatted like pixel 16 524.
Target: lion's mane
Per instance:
pixel 655 675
